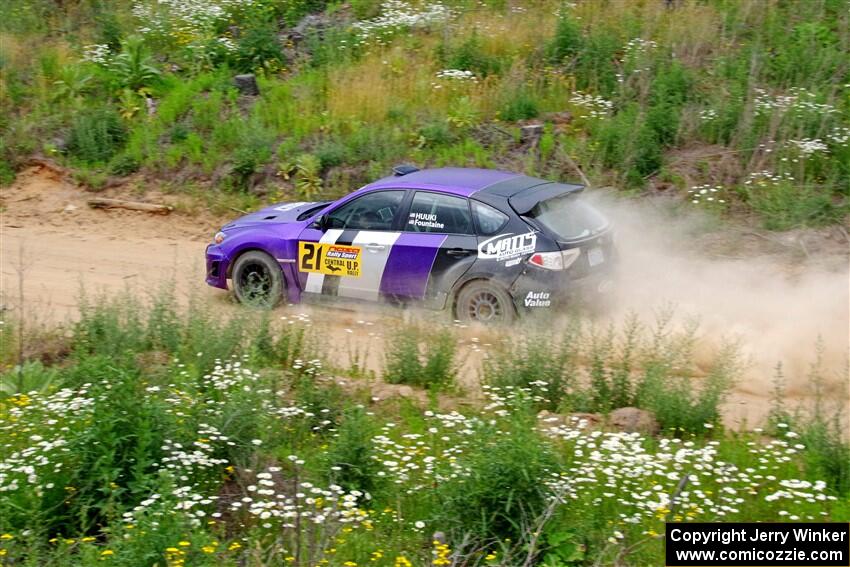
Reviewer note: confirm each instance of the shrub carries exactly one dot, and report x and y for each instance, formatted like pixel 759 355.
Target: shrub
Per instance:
pixel 258 48
pixel 470 56
pixel 567 41
pixel 124 164
pixel 519 105
pixel 96 136
pixel 350 461
pixel 435 133
pixel 331 153
pixel 502 495
pixel 784 206
pixel 535 362
pixel 419 359
pixel 133 67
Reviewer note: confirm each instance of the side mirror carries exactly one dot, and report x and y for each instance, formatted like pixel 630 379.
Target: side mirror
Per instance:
pixel 320 223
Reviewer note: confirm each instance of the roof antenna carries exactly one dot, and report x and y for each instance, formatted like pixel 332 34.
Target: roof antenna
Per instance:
pixel 404 169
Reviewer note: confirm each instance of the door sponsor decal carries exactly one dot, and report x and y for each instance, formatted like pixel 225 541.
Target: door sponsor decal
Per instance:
pixel 506 247
pixel 425 220
pixel 329 259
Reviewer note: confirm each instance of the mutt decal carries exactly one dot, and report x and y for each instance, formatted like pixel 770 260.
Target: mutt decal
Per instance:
pixel 508 248
pixel 329 259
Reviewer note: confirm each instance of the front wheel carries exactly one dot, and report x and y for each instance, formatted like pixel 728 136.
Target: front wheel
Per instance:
pixel 257 280
pixel 484 302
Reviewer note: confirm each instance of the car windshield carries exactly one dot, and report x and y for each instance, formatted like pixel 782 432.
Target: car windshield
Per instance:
pixel 569 217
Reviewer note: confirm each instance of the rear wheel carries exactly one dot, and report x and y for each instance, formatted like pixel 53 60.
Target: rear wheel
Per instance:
pixel 257 280
pixel 484 302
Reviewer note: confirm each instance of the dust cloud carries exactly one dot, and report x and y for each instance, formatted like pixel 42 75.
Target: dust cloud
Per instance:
pixel 780 300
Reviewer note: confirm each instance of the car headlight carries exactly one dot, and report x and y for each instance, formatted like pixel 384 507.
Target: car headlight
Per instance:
pixel 219 237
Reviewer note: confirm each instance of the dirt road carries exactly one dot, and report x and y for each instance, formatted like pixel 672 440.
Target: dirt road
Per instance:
pixel 776 303
pixel 57 246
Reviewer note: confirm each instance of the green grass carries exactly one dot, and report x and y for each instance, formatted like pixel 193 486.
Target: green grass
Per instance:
pixel 639 86
pixel 169 434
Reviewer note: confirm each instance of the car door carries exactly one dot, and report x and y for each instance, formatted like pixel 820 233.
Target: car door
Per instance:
pixel 347 257
pixel 436 247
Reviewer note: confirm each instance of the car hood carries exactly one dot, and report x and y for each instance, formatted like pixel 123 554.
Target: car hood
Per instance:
pixel 275 214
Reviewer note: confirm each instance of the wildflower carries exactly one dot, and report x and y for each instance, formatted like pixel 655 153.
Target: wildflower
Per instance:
pixel 234 546
pixel 183 543
pixel 107 552
pixel 7 536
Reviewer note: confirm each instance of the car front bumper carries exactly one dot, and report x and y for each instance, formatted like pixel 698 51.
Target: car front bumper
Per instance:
pixel 216 267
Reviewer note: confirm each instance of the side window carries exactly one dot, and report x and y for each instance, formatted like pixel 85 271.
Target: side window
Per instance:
pixel 434 212
pixel 489 220
pixel 373 211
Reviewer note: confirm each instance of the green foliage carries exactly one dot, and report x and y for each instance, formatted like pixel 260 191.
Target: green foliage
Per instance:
pixel 520 104
pixel 537 363
pixel 501 498
pixel 351 460
pixel 30 376
pixel 784 206
pixel 133 67
pixel 419 358
pixel 258 48
pixel 123 165
pixel 567 41
pixel 469 55
pixel 96 135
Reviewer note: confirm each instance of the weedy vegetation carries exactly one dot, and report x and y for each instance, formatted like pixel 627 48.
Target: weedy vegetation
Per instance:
pixel 170 435
pixel 732 107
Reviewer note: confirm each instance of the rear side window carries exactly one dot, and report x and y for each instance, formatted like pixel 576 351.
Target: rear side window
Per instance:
pixel 434 212
pixel 489 220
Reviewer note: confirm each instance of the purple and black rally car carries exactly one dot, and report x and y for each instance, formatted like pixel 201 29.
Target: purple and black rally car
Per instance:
pixel 486 244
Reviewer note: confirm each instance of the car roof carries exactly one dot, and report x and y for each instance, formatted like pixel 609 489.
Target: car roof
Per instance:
pixel 464 181
pixel 520 190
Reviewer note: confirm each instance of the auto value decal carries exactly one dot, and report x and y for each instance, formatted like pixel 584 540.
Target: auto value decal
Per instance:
pixel 329 259
pixel 537 299
pixel 508 248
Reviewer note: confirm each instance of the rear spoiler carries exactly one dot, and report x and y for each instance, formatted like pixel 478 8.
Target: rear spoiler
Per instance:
pixel 527 199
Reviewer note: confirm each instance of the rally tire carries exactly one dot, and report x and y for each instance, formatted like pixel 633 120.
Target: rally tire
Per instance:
pixel 481 301
pixel 257 280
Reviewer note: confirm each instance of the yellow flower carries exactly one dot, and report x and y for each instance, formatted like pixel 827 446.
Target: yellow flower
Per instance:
pixel 208 549
pixel 172 550
pixel 350 564
pixel 7 536
pixel 234 546
pixel 402 561
pixel 70 541
pixel 490 556
pixel 183 543
pixel 107 552
pixel 2 552
pixel 87 539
